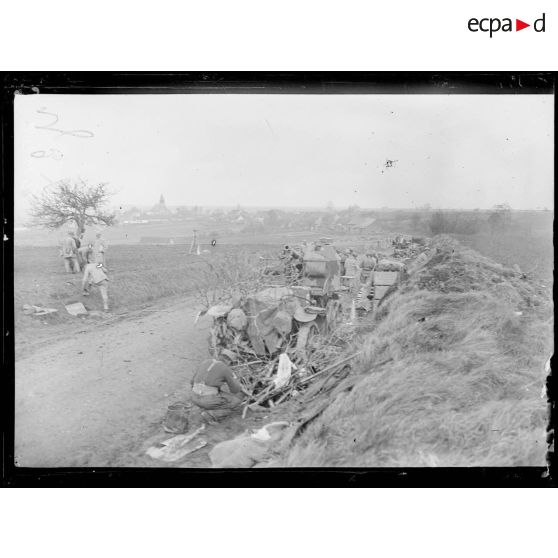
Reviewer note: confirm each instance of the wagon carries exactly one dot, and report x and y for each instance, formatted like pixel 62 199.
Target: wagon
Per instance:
pixel 286 312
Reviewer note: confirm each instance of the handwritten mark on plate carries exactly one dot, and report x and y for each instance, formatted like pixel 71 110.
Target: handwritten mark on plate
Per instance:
pixel 51 153
pixel 49 127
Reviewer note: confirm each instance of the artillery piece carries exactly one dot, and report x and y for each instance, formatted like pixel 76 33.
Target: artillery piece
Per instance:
pixel 321 274
pixel 298 308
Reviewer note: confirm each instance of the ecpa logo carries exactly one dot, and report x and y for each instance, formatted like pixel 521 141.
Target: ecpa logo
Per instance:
pixel 494 24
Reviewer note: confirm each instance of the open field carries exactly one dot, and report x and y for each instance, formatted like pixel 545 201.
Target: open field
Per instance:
pixel 161 234
pixel 451 373
pixel 139 276
pixel 532 253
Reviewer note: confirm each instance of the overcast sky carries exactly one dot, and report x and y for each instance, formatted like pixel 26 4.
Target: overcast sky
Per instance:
pixel 460 151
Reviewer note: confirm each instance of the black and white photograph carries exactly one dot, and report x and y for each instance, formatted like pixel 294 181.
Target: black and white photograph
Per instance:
pixel 299 278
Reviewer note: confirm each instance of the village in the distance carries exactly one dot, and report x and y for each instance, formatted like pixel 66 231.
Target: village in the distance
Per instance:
pixel 163 223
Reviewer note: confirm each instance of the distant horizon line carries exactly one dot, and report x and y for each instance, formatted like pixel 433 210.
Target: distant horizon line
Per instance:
pixel 21 220
pixel 333 207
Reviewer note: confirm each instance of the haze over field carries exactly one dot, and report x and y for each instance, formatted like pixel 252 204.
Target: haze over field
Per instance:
pixel 463 151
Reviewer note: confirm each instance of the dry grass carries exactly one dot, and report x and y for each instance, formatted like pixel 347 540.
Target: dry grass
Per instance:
pixel 532 251
pixel 140 275
pixel 461 379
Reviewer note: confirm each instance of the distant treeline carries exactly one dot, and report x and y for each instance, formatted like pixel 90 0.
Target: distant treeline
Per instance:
pixel 458 223
pixel 499 220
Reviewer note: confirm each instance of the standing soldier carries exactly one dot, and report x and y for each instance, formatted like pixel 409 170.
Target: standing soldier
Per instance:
pixel 84 254
pixel 365 297
pixel 69 253
pixel 99 247
pixel 343 254
pixel 352 270
pixel 367 266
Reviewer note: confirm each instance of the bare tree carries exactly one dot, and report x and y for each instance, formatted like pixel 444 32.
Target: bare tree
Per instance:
pixel 72 201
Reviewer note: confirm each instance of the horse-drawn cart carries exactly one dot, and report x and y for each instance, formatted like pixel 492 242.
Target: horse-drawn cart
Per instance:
pixel 289 312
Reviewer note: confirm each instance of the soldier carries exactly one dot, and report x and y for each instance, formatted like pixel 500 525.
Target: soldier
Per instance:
pixel 367 265
pixel 352 270
pixel 69 253
pixel 94 273
pixel 99 248
pixel 343 255
pixel 85 253
pixel 207 385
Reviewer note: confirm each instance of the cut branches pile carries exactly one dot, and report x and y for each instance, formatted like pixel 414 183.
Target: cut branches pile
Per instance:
pixel 289 338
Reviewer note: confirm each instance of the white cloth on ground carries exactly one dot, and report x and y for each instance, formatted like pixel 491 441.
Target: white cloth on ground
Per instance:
pixel 284 369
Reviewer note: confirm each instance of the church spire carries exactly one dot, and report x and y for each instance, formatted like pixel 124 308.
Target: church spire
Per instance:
pixel 162 200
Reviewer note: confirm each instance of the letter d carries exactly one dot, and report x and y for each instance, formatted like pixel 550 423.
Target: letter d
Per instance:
pixel 535 25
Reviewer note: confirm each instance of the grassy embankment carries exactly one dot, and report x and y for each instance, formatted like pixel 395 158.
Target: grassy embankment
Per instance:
pixel 463 377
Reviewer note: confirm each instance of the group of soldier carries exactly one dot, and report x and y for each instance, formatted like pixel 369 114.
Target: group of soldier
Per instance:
pixel 356 268
pixel 87 257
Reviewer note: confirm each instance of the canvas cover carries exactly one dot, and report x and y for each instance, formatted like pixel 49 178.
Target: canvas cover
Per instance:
pixel 269 313
pixel 386 277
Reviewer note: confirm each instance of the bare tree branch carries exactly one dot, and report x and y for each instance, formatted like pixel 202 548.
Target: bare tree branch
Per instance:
pixel 71 201
pixel 225 278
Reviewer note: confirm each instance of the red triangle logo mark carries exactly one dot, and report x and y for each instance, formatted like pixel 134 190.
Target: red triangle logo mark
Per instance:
pixel 519 25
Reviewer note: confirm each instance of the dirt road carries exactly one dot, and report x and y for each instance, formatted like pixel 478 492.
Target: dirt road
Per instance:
pixel 97 398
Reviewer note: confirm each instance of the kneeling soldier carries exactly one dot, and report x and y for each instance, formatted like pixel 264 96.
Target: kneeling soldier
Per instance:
pixel 207 382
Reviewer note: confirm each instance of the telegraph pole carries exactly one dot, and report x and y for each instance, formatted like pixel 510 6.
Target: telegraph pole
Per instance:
pixel 195 247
